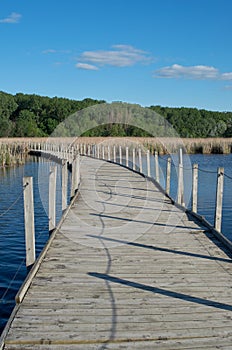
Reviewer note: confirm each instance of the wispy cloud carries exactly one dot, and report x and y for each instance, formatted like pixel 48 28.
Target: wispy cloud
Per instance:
pixel 12 18
pixel 86 66
pixel 53 51
pixel 49 51
pixel 118 56
pixel 228 87
pixel 199 72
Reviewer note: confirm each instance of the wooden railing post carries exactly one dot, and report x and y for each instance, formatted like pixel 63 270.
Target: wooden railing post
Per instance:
pixel 148 164
pixel 29 220
pixel 157 167
pixel 72 154
pixel 127 157
pixel 75 175
pixel 78 170
pixel 114 154
pixel 52 198
pixel 133 158
pixel 195 188
pixel 109 152
pixel 168 175
pixel 140 161
pixel 89 150
pixel 120 154
pixel 180 195
pixel 219 199
pixel 103 152
pixel 64 184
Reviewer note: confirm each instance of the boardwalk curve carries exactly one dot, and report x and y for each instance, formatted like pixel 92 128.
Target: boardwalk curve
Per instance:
pixel 126 270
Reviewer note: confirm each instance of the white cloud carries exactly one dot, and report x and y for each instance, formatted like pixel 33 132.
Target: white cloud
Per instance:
pixel 86 66
pixel 119 56
pixel 226 76
pixel 199 72
pixel 12 18
pixel 190 72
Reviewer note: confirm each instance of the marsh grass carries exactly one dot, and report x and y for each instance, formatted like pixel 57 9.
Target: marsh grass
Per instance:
pixel 14 151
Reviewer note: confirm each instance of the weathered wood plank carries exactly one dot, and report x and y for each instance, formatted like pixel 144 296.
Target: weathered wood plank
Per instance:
pixel 128 270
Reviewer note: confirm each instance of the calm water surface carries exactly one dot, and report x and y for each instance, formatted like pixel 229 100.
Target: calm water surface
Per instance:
pixel 12 245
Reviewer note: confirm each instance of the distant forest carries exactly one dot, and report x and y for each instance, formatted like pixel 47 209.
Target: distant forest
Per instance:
pixel 26 115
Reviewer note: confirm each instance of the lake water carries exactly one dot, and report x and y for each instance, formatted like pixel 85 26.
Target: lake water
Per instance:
pixel 12 245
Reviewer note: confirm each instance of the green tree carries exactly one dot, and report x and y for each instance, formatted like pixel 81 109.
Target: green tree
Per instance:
pixel 26 125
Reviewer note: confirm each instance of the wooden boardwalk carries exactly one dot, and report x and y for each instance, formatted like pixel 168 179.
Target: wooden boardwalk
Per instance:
pixel 126 270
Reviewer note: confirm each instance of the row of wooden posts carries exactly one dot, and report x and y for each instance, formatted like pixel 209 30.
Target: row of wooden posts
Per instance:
pixel 72 155
pixel 94 151
pixel 29 202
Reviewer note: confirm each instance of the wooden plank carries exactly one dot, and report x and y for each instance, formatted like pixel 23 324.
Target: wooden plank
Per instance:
pixel 219 199
pixel 64 183
pixel 52 198
pixel 168 176
pixel 133 283
pixel 29 220
pixel 157 177
pixel 195 188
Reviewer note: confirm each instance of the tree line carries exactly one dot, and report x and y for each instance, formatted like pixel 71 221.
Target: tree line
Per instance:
pixel 30 115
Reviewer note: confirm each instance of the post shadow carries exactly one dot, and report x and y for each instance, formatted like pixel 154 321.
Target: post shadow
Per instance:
pixel 160 249
pixel 161 291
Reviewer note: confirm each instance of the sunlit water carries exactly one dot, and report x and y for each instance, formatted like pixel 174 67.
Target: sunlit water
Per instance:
pixel 12 245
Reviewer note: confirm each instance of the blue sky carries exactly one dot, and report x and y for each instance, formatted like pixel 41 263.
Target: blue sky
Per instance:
pixel 151 52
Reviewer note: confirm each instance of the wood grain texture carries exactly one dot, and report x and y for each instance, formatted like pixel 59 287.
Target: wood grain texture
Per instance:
pixel 127 270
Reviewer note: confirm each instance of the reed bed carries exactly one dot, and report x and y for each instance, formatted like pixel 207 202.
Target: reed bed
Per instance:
pixel 167 145
pixel 15 150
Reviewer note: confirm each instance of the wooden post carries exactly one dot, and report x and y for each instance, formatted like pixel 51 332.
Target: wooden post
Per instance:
pixel 140 161
pixel 180 195
pixel 73 178
pixel 98 151
pixel 148 164
pixel 195 188
pixel 219 199
pixel 94 151
pixel 114 154
pixel 168 176
pixel 127 157
pixel 64 184
pixel 29 220
pixel 52 198
pixel 133 158
pixel 72 154
pixel 120 154
pixel 108 152
pixel 78 171
pixel 157 167
pixel 75 175
pixel 103 152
